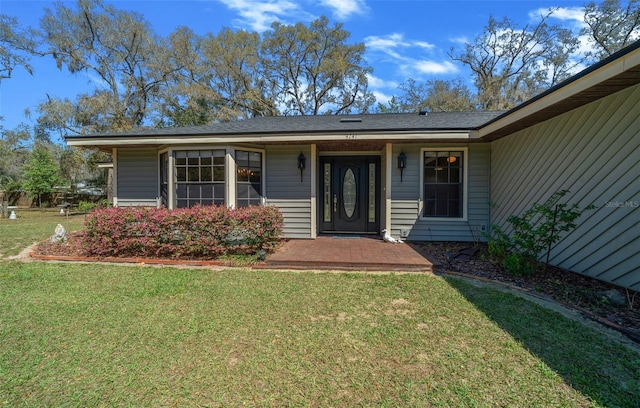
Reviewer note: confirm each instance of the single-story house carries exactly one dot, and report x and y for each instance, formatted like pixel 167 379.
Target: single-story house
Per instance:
pixel 442 176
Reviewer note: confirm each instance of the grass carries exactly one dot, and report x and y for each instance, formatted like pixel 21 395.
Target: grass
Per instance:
pixel 105 335
pixel 33 225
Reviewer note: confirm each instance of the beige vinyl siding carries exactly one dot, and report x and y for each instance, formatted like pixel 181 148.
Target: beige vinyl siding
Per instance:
pixel 407 195
pixel 593 151
pixel 137 177
pixel 285 190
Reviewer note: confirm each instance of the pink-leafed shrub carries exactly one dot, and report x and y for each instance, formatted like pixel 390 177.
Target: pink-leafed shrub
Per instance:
pixel 198 232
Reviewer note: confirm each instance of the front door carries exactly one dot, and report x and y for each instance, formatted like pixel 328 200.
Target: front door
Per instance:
pixel 350 194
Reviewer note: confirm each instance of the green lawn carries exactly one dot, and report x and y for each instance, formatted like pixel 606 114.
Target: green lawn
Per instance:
pixel 106 335
pixel 33 225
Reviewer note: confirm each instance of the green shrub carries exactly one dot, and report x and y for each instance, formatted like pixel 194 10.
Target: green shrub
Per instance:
pixel 532 233
pixel 86 206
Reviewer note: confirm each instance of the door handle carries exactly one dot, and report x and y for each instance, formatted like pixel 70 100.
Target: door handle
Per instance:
pixel 335 203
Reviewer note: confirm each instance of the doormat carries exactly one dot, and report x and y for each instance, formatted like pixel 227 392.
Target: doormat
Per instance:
pixel 345 237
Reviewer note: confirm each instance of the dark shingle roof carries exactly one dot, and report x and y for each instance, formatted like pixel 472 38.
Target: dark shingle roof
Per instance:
pixel 325 124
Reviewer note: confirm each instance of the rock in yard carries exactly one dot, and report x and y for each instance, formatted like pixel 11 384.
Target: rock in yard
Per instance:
pixel 60 234
pixel 615 297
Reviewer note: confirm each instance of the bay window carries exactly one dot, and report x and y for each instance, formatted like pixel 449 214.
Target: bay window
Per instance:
pixel 200 177
pixel 248 178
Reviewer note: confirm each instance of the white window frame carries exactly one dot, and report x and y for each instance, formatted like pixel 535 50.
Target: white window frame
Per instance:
pixel 232 169
pixel 465 183
pixel 172 194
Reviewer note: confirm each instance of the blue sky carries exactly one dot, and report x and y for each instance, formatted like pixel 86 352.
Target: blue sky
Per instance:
pixel 404 39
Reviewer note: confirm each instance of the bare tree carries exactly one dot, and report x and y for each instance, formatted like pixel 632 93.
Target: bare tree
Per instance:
pixel 119 51
pixel 435 95
pixel 238 72
pixel 312 70
pixel 234 75
pixel 218 78
pixel 611 26
pixel 511 64
pixel 16 46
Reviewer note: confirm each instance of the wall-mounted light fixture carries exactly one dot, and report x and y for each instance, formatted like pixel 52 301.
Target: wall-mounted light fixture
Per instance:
pixel 402 163
pixel 301 164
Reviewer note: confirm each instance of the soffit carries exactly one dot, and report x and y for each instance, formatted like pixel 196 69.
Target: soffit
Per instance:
pixel 602 80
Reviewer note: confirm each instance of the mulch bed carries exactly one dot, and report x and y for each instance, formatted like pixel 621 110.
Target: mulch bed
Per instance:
pixel 72 247
pixel 595 299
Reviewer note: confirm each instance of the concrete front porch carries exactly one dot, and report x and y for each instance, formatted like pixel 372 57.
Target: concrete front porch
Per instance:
pixel 346 252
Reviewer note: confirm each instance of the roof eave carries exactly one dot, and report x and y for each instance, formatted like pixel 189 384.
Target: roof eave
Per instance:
pixel 621 70
pixel 269 138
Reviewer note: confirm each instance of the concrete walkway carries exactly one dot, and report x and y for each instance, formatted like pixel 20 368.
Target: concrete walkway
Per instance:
pixel 348 253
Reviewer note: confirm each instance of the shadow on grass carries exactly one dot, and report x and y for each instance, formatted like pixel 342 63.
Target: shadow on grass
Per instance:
pixel 593 364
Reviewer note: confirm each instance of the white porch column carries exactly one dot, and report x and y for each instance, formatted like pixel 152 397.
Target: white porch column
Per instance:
pixel 314 191
pixel 231 178
pixel 172 180
pixel 387 186
pixel 114 156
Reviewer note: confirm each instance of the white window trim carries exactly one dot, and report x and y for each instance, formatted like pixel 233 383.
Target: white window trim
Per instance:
pixel 232 169
pixel 171 174
pixel 465 183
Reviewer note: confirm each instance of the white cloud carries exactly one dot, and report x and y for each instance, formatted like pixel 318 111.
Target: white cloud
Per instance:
pixel 258 15
pixel 460 40
pixel 432 67
pixel 394 40
pixel 567 14
pixel 424 44
pixel 343 9
pixel 382 97
pixel 407 56
pixel 385 42
pixel 379 83
pixel 383 90
pixel 392 45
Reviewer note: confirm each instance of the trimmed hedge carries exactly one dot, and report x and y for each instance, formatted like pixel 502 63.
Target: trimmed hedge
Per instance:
pixel 198 232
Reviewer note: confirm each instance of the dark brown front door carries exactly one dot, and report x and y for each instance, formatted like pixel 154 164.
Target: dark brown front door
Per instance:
pixel 350 189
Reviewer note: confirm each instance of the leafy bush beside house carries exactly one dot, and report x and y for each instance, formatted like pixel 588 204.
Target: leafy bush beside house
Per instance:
pixel 533 233
pixel 88 206
pixel 198 232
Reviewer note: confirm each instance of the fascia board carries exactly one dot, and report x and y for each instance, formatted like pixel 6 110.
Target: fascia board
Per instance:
pixel 288 138
pixel 579 85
